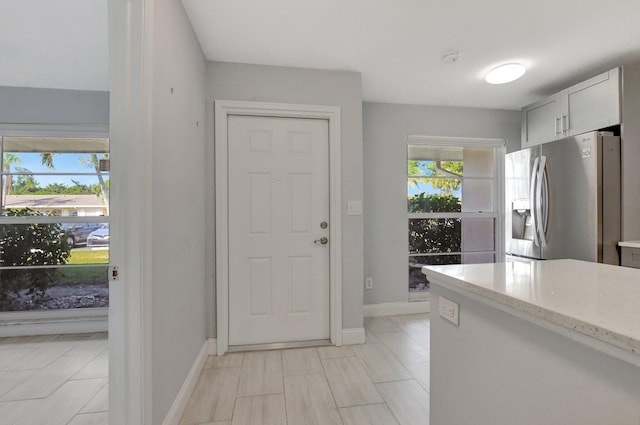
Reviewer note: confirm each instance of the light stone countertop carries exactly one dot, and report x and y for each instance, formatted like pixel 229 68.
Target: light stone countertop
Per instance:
pixel 597 300
pixel 630 244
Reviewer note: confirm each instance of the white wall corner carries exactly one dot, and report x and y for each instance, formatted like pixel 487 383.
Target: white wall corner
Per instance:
pixel 392 309
pixel 353 336
pixel 182 399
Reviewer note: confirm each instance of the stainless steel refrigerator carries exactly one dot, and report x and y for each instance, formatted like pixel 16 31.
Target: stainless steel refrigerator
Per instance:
pixel 563 199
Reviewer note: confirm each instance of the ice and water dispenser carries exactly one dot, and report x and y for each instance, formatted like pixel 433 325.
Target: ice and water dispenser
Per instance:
pixel 521 220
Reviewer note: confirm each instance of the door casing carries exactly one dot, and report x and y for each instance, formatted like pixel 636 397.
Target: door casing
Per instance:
pixel 223 109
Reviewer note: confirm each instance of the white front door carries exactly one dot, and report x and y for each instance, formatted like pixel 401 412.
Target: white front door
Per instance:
pixel 278 174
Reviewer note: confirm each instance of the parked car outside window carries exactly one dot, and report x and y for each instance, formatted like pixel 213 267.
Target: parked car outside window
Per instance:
pixel 76 233
pixel 99 237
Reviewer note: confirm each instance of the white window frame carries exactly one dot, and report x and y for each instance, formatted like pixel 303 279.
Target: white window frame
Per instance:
pixel 499 151
pixel 53 321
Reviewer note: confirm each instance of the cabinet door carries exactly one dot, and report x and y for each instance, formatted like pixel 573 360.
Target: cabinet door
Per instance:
pixel 541 121
pixel 593 104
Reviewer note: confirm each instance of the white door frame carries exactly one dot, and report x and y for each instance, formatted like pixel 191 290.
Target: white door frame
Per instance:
pixel 130 132
pixel 224 108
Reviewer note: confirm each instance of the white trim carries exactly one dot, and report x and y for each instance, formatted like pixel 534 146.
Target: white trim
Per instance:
pixel 52 322
pixel 224 108
pixel 55 130
pixel 54 327
pixel 212 347
pixel 479 142
pixel 130 131
pixel 182 399
pixel 353 336
pixel 392 309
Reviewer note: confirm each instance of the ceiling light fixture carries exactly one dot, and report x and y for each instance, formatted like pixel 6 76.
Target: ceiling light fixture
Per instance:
pixel 505 73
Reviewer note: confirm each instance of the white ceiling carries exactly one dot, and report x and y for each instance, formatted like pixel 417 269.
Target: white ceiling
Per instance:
pixel 397 45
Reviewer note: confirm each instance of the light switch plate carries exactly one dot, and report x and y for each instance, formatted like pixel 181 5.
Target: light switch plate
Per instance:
pixel 354 208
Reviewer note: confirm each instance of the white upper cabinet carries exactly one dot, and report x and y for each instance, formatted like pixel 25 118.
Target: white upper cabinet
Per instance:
pixel 540 121
pixel 587 106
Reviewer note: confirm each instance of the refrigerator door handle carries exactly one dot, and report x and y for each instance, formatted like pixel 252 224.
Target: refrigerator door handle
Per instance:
pixel 532 197
pixel 540 202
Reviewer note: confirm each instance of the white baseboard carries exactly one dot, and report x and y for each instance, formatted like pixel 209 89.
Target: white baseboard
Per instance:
pixel 212 347
pixel 180 403
pixel 353 336
pixel 392 309
pixel 52 322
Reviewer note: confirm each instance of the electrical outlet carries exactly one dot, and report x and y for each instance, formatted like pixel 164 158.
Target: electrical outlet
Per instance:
pixel 368 283
pixel 449 310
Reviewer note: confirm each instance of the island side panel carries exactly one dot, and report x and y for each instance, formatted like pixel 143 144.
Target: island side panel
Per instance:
pixel 497 369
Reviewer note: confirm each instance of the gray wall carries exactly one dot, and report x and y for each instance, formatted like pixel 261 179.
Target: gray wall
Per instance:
pixel 177 167
pixel 386 127
pixel 26 105
pixel 231 81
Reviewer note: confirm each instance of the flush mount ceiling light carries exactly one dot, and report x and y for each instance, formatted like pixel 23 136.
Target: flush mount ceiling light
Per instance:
pixel 505 73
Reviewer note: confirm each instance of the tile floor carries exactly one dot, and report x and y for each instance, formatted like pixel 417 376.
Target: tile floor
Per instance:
pixel 54 380
pixel 383 382
pixel 62 380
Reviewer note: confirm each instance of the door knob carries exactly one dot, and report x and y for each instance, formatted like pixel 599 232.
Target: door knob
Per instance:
pixel 322 241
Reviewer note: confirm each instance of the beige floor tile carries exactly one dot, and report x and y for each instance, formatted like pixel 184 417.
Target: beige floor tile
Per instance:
pixel 419 332
pixel 91 347
pixel 333 352
pixel 99 403
pixel 46 380
pixel 12 412
pixel 42 355
pixel 261 374
pixel 407 318
pixel 309 401
pixel 349 382
pixel 404 348
pixel 96 368
pixel 228 360
pixel 372 414
pixel 380 324
pixel 12 378
pixel 213 397
pixel 380 364
pixel 57 409
pixel 371 338
pixel 304 361
pixel 408 401
pixel 217 423
pixel 101 418
pixel 260 410
pixel 421 373
pixel 12 353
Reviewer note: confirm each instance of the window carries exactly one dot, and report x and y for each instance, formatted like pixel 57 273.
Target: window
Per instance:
pixel 453 189
pixel 54 222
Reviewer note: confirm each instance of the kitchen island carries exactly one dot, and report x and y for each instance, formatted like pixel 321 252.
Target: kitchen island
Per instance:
pixel 546 342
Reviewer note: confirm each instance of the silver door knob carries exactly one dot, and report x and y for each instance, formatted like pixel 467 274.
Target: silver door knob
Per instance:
pixel 322 241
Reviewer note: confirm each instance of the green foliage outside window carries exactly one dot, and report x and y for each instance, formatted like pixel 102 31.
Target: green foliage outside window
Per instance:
pixel 33 244
pixel 434 235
